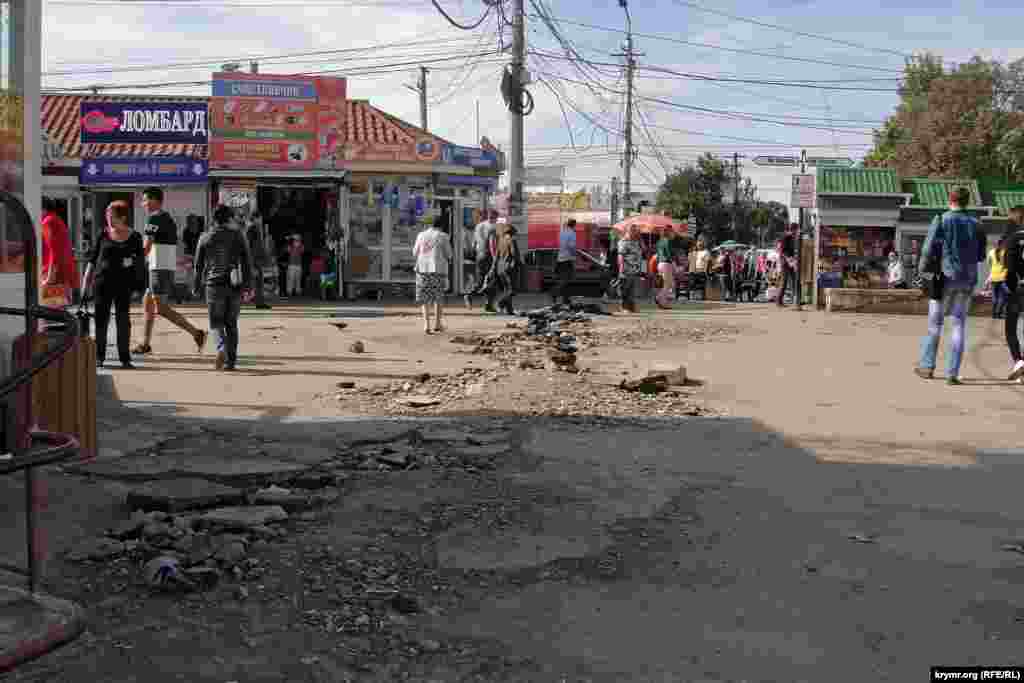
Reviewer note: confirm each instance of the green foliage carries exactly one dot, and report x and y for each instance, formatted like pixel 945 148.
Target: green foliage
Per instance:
pixel 962 121
pixel 699 190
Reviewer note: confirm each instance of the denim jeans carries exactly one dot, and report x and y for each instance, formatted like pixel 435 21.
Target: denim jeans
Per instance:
pixel 224 304
pixel 956 302
pixel 1000 295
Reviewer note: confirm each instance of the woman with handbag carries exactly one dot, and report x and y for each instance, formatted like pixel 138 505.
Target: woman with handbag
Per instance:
pixel 116 269
pixel 224 268
pixel 58 272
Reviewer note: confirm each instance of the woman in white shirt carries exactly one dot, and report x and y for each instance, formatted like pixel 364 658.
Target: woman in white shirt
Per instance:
pixel 433 252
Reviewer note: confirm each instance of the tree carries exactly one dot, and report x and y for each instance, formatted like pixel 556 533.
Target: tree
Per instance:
pixel 697 190
pixel 960 122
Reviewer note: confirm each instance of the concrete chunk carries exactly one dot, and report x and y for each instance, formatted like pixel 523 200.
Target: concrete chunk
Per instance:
pixel 177 495
pixel 245 517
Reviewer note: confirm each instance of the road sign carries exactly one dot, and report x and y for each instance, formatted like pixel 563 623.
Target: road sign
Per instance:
pixel 804 194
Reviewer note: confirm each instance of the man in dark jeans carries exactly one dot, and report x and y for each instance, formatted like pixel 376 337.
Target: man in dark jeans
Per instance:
pixel 787 263
pixel 565 268
pixel 219 252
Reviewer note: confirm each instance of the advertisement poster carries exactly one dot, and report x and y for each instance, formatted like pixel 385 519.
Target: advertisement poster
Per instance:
pixel 276 122
pixel 422 150
pixel 145 122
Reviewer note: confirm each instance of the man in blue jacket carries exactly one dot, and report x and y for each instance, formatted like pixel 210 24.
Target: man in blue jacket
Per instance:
pixel 951 254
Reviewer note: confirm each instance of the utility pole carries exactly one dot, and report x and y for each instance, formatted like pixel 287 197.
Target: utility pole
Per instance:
pixel 628 152
pixel 799 240
pixel 736 196
pixel 421 89
pixel 615 201
pixel 516 172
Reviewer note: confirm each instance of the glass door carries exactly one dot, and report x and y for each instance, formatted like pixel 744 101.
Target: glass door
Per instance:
pixel 407 202
pixel 366 234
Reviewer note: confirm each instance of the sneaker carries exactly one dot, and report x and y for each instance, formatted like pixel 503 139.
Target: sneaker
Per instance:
pixel 142 349
pixel 1018 371
pixel 924 373
pixel 229 368
pixel 221 361
pixel 201 340
pixel 954 382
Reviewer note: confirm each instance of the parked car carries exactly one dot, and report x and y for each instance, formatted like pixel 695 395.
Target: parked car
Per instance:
pixel 592 277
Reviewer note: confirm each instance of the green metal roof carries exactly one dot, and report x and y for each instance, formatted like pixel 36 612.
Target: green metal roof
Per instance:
pixel 933 193
pixel 857 180
pixel 1007 200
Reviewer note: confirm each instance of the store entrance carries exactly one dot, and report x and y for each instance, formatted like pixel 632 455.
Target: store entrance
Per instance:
pixel 297 211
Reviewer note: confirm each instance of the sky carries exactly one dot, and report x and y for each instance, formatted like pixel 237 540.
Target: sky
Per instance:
pixel 140 43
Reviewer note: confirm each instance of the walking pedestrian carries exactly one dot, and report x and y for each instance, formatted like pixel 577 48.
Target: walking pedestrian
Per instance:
pixel 58 272
pixel 161 248
pixel 485 245
pixel 296 251
pixel 666 269
pixel 224 268
pixel 1013 261
pixel 700 266
pixel 951 254
pixel 565 267
pixel 997 279
pixel 507 265
pixel 260 258
pixel 631 267
pixel 433 252
pixel 115 270
pixel 787 263
pixel 896 276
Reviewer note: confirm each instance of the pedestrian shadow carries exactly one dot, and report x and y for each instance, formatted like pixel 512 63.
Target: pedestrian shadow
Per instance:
pixel 261 372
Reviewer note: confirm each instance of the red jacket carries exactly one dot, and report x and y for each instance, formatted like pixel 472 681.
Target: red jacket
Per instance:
pixel 57 251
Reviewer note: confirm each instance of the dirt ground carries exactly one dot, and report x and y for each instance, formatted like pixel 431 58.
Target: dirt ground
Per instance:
pixel 804 508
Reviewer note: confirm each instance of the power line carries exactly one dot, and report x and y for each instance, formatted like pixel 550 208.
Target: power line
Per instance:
pixel 764 24
pixel 367 70
pixel 464 27
pixel 258 58
pixel 756 53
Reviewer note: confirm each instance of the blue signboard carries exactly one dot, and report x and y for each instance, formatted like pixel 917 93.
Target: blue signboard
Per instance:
pixel 145 171
pixel 469 156
pixel 147 122
pixel 244 85
pixel 474 180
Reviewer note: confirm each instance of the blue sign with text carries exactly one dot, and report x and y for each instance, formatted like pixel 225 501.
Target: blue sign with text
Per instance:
pixel 469 156
pixel 147 122
pixel 135 171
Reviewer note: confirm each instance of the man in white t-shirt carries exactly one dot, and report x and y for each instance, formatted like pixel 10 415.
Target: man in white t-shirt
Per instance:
pixel 161 249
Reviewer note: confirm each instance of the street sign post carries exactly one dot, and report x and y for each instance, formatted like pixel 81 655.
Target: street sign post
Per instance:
pixel 804 194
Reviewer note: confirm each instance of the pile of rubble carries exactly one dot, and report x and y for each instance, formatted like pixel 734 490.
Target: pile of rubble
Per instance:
pixel 191 533
pixel 481 451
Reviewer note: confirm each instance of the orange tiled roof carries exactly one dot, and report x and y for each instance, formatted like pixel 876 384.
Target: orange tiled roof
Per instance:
pixel 364 123
pixel 61 121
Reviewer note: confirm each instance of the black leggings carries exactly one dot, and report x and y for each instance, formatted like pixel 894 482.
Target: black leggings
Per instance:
pixel 1013 306
pixel 120 300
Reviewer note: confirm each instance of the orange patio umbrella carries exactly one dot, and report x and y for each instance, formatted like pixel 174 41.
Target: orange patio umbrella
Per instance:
pixel 651 223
